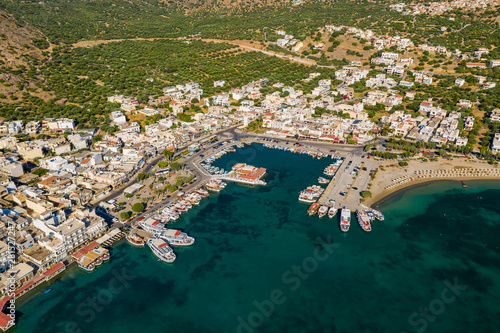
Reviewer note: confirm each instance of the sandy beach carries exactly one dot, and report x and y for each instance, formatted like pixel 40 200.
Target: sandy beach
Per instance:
pixel 392 178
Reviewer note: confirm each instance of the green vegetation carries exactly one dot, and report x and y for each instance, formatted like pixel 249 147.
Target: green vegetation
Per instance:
pixel 124 216
pixel 255 125
pixel 123 68
pixel 163 164
pixel 176 165
pixel 168 154
pixel 185 117
pixel 142 176
pixel 183 180
pixel 39 172
pixel 138 207
pixel 72 21
pixel 366 194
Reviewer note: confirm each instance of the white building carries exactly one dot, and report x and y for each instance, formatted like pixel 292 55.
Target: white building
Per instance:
pixel 495 144
pixel 65 123
pixel 118 117
pixel 57 163
pixel 219 83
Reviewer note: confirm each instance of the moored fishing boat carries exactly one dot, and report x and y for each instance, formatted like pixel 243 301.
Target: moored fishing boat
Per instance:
pixel 161 250
pixel 176 237
pixel 306 197
pixel 323 210
pixel 135 240
pixel 333 210
pixel 364 220
pixel 322 180
pixel 345 219
pixel 313 209
pixel 202 192
pixel 378 215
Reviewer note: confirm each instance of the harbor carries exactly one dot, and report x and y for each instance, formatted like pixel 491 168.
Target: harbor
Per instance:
pixel 151 229
pixel 237 227
pixel 350 176
pixel 346 177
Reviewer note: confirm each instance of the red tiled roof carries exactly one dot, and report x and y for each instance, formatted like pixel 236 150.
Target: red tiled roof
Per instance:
pixel 48 181
pixel 4 319
pixel 56 268
pixel 3 302
pixel 255 174
pixel 80 253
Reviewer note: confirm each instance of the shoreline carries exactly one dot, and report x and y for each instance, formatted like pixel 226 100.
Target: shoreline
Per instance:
pixel 378 198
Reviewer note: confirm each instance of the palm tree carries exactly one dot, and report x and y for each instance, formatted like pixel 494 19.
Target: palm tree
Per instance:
pixel 168 154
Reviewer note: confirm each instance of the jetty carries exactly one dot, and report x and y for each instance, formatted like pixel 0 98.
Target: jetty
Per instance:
pixel 348 176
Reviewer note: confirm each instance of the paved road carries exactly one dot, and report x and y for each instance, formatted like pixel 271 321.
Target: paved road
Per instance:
pixel 113 194
pixel 313 144
pixel 149 167
pixel 201 176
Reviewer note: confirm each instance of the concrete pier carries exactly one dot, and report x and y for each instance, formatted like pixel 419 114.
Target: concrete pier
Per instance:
pixel 344 181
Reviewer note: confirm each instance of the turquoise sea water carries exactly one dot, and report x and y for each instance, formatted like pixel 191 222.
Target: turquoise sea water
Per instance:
pixel 261 264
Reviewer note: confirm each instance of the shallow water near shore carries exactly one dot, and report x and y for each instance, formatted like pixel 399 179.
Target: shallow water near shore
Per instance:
pixel 432 266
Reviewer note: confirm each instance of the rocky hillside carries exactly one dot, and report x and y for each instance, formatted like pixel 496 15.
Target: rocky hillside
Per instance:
pixel 18 42
pixel 20 47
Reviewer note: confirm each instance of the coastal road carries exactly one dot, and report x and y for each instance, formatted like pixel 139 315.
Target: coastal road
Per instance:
pixel 201 176
pixel 313 144
pixel 149 167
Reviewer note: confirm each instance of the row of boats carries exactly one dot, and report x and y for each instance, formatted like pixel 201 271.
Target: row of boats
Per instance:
pixel 311 193
pixel 164 238
pixel 365 216
pixel 215 185
pixel 162 241
pixel 323 210
pixel 332 168
pixel 207 163
pixel 318 155
pixel 173 210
